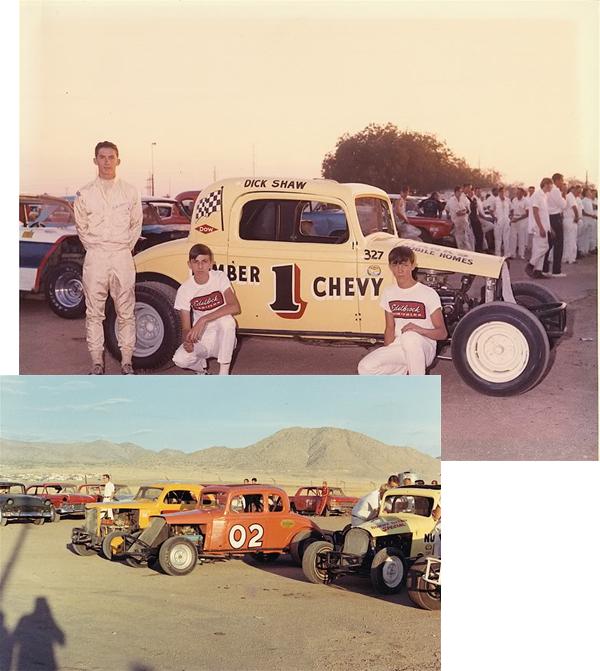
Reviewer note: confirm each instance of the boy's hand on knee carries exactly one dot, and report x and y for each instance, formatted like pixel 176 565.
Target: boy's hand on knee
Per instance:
pixel 188 346
pixel 196 331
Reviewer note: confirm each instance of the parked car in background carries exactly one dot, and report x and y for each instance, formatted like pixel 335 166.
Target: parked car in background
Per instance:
pixel 436 230
pixel 64 497
pixel 231 521
pixel 122 492
pixel 187 200
pixel 322 500
pixel 16 504
pixel 164 219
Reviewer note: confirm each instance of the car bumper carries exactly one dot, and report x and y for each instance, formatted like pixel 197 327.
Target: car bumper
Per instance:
pixel 71 508
pixel 13 514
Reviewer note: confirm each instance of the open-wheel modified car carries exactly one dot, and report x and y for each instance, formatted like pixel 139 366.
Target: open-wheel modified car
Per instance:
pixel 308 259
pixel 106 522
pixel 65 498
pixel 384 548
pixel 231 521
pixel 322 500
pixel 15 504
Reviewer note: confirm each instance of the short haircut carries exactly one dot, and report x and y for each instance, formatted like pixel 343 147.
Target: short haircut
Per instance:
pixel 545 182
pixel 393 481
pixel 401 254
pixel 404 187
pixel 457 188
pixel 556 176
pixel 200 250
pixel 106 475
pixel 105 144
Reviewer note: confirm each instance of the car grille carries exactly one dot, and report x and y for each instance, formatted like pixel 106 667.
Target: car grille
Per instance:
pixel 356 542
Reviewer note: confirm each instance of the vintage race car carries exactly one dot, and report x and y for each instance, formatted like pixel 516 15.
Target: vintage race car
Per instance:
pixel 323 500
pixel 65 498
pixel 231 521
pixel 293 280
pixel 406 529
pixel 15 504
pixel 105 522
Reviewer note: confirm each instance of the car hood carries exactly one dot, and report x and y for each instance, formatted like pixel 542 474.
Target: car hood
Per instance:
pixel 437 257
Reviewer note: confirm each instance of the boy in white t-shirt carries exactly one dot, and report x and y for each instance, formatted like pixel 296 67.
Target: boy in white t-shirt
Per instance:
pixel 209 296
pixel 413 322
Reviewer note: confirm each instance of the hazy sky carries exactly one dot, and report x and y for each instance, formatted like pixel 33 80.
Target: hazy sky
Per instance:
pixel 191 413
pixel 232 86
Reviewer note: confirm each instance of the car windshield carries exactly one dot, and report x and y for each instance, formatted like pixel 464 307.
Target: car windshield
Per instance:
pixel 49 214
pixel 374 216
pixel 402 503
pixel 148 493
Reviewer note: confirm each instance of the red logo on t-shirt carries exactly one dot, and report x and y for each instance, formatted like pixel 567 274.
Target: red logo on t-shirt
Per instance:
pixel 208 302
pixel 407 309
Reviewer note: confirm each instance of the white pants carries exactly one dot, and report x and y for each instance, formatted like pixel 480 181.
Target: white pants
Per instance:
pixel 570 229
pixel 103 272
pixel 539 247
pixel 463 234
pixel 518 238
pixel 409 354
pixel 218 340
pixel 502 237
pixel 586 235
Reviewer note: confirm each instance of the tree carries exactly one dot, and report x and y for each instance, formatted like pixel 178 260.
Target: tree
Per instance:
pixel 388 158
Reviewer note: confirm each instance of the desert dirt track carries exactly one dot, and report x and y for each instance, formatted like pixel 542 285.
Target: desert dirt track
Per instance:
pixel 62 611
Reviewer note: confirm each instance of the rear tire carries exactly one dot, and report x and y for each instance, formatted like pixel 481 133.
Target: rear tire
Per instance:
pixel 177 556
pixel 310 562
pixel 388 571
pixel 64 291
pixel 421 593
pixel 500 349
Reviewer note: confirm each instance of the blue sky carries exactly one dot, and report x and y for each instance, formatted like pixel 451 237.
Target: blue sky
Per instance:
pixel 191 413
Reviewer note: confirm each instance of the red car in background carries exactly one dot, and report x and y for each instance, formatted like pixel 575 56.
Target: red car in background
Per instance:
pixel 64 497
pixel 434 230
pixel 187 199
pixel 322 500
pixel 96 489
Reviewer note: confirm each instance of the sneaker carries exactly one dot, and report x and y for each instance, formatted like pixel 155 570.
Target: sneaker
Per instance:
pixel 559 275
pixel 202 372
pixel 529 270
pixel 547 275
pixel 97 369
pixel 127 369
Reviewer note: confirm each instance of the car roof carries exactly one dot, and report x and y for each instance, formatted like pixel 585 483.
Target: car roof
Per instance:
pixel 157 199
pixel 7 483
pixel 167 483
pixel 54 483
pixel 42 198
pixel 244 489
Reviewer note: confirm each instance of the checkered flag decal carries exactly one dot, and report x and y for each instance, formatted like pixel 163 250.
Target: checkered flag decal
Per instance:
pixel 209 204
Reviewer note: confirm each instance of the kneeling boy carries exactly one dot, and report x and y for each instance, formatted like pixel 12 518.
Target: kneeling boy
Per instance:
pixel 208 294
pixel 413 322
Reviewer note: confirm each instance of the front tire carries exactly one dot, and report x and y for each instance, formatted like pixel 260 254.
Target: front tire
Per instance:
pixel 82 550
pixel 421 593
pixel 113 545
pixel 38 521
pixel 312 562
pixel 64 291
pixel 177 556
pixel 500 349
pixel 158 328
pixel 388 571
pixel 3 520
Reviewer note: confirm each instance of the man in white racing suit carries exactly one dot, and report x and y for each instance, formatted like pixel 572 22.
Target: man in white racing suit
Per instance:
pixel 108 214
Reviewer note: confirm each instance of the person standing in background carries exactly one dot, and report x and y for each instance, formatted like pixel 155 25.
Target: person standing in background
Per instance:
pixel 556 207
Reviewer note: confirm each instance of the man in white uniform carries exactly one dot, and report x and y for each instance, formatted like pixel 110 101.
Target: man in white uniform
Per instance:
pixel 208 294
pixel 539 225
pixel 367 507
pixel 518 225
pixel 109 493
pixel 108 215
pixel 413 322
pixel 501 211
pixel 586 240
pixel 458 207
pixel 571 223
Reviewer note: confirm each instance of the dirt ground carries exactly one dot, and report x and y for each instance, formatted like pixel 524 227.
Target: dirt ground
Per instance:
pixel 62 611
pixel 556 420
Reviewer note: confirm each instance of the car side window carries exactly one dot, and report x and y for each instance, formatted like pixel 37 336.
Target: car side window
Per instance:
pixel 301 221
pixel 275 503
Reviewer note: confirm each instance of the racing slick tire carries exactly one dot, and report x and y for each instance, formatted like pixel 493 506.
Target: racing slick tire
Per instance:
pixel 388 571
pixel 157 324
pixel 500 349
pixel 421 593
pixel 113 545
pixel 64 291
pixel 310 562
pixel 266 557
pixel 177 556
pixel 38 521
pixel 82 550
pixel 529 294
pixel 299 544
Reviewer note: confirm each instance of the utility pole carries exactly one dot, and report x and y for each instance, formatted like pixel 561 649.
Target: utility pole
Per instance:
pixel 152 168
